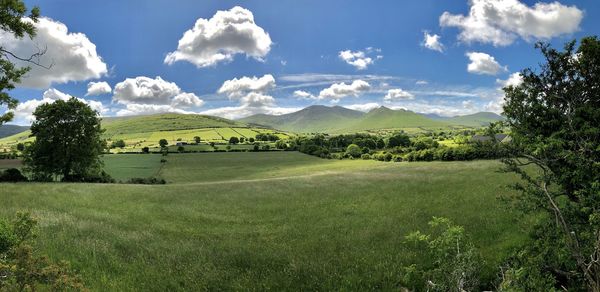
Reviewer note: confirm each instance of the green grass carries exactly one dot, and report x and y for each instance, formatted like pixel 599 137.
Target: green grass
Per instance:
pixel 262 221
pixel 125 166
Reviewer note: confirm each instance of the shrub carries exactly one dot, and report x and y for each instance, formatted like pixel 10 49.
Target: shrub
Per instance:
pixel 397 158
pixel 365 156
pixel 12 175
pixel 117 144
pixel 387 157
pixel 147 181
pixel 145 150
pixel 353 150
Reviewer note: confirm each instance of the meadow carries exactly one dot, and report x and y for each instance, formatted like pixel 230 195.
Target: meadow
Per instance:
pixel 262 221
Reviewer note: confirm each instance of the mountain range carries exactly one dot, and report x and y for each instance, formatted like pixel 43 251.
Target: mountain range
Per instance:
pixel 337 119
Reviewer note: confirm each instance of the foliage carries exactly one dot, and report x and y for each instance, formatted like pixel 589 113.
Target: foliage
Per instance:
pixel 67 143
pixel 12 175
pixel 398 140
pixel 448 260
pixel 353 150
pixel 12 21
pixel 21 269
pixel 234 140
pixel 146 181
pixel 266 137
pixel 197 139
pixel 118 144
pixel 554 118
pixel 163 143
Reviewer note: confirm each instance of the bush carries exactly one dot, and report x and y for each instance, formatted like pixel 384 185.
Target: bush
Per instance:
pixel 354 151
pixel 101 177
pixel 397 158
pixel 21 269
pixel 117 144
pixel 145 150
pixel 12 175
pixel 147 181
pixel 387 157
pixel 365 156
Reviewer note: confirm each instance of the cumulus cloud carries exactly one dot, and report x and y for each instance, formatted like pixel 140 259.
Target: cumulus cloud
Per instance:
pixel 432 42
pixel 501 22
pixel 236 88
pixel 98 88
pixel 304 95
pixel 70 56
pixel 252 95
pixel 397 94
pixel 482 63
pixel 359 59
pixel 220 38
pixel 363 107
pixel 338 91
pixel 515 79
pixel 24 110
pixel 145 95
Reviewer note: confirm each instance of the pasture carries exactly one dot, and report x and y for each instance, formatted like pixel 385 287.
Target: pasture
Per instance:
pixel 262 221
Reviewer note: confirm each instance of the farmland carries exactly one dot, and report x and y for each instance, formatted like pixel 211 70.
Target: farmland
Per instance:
pixel 262 221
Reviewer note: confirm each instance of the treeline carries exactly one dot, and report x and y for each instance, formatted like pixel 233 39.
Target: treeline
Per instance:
pixel 397 147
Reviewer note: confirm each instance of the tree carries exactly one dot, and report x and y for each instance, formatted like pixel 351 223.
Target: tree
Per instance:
pixel 12 20
pixel 554 120
pixel 180 149
pixel 234 140
pixel 118 144
pixel 353 150
pixel 197 140
pixel 67 141
pixel 251 140
pixel 163 143
pixel 447 260
pixel 398 140
pixel 20 147
pixel 145 150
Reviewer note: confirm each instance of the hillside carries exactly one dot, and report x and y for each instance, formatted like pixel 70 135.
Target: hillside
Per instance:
pixel 163 122
pixel 386 118
pixel 475 120
pixel 337 119
pixel 316 118
pixel 9 130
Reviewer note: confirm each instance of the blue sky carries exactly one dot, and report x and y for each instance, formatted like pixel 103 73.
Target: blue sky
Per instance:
pixel 295 49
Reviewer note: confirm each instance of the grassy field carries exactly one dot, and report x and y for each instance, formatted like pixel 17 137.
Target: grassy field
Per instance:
pixel 261 221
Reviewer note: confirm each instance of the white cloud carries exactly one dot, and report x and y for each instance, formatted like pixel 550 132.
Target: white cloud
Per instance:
pixel 145 90
pixel 144 95
pixel 432 42
pixel 24 110
pixel 98 88
pixel 186 100
pixel 304 95
pixel 363 107
pixel 340 90
pixel 148 109
pixel 220 38
pixel 468 104
pixel 359 59
pixel 236 88
pixel 482 63
pixel 397 94
pixel 421 82
pixel 515 79
pixel 72 56
pixel 501 22
pixel 236 112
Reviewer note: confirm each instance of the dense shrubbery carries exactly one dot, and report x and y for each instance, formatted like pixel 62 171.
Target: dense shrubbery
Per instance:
pixel 266 137
pixel 12 175
pixel 398 147
pixel 146 181
pixel 22 270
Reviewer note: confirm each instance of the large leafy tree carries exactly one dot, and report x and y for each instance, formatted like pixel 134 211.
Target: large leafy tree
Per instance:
pixel 12 13
pixel 68 141
pixel 554 117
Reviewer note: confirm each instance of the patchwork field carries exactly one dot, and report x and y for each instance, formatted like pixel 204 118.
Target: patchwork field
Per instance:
pixel 261 221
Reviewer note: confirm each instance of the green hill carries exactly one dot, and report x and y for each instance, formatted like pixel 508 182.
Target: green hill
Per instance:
pixel 385 118
pixel 337 119
pixel 480 119
pixel 163 122
pixel 9 130
pixel 316 118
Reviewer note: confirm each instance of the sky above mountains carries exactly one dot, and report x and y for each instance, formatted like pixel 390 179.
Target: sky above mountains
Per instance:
pixel 234 59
